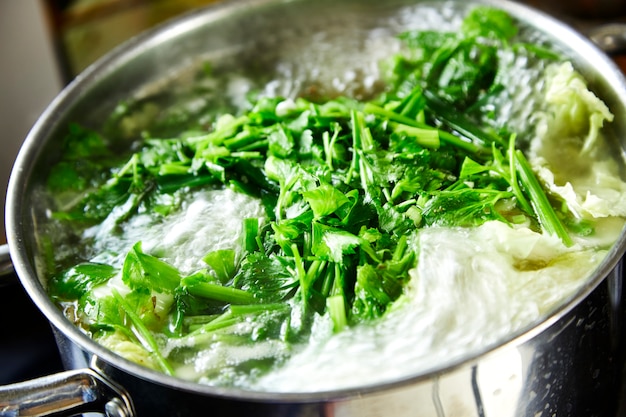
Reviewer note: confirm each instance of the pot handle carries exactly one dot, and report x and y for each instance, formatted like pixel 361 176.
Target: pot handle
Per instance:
pixel 611 38
pixel 65 394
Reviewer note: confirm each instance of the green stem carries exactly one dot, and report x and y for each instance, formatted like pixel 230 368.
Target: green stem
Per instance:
pixel 221 322
pixel 145 333
pixel 428 138
pixel 443 135
pixel 514 180
pixel 220 293
pixel 459 123
pixel 302 278
pixel 337 310
pixel 314 271
pixel 242 310
pixel 356 145
pixel 546 215
pixel 250 234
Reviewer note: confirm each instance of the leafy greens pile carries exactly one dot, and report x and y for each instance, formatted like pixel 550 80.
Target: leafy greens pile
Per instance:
pixel 345 185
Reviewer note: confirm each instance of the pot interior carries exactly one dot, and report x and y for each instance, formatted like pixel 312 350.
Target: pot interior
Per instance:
pixel 323 46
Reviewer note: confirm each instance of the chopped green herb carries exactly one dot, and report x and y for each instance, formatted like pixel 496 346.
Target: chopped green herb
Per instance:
pixel 346 188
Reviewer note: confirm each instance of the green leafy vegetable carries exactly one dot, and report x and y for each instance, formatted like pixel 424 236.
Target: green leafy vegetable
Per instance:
pixel 80 279
pixel 346 186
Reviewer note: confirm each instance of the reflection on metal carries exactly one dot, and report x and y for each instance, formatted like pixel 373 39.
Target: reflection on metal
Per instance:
pixel 436 399
pixel 479 402
pixel 493 387
pixel 6 266
pixel 83 33
pixel 611 38
pixel 66 393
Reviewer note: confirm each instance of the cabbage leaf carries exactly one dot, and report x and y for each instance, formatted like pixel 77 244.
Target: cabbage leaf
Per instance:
pixel 570 129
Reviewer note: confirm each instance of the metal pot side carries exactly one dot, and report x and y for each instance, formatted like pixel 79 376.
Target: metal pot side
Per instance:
pixel 568 363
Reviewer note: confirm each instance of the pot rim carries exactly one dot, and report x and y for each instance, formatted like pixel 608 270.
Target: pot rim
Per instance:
pixel 16 231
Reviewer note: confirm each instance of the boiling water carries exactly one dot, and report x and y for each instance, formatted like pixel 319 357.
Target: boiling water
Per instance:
pixel 472 288
pixel 207 220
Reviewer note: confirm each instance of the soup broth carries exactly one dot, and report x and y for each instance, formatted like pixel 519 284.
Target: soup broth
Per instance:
pixel 315 227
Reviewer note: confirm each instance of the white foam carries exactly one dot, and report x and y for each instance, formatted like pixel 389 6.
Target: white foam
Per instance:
pixel 467 292
pixel 208 220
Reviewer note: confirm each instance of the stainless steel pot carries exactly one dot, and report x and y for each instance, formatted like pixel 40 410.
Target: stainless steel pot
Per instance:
pixel 568 364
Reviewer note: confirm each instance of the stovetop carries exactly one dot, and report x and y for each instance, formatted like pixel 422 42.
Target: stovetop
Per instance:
pixel 27 346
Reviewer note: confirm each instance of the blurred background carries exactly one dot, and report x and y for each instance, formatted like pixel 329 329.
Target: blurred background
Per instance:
pixel 44 44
